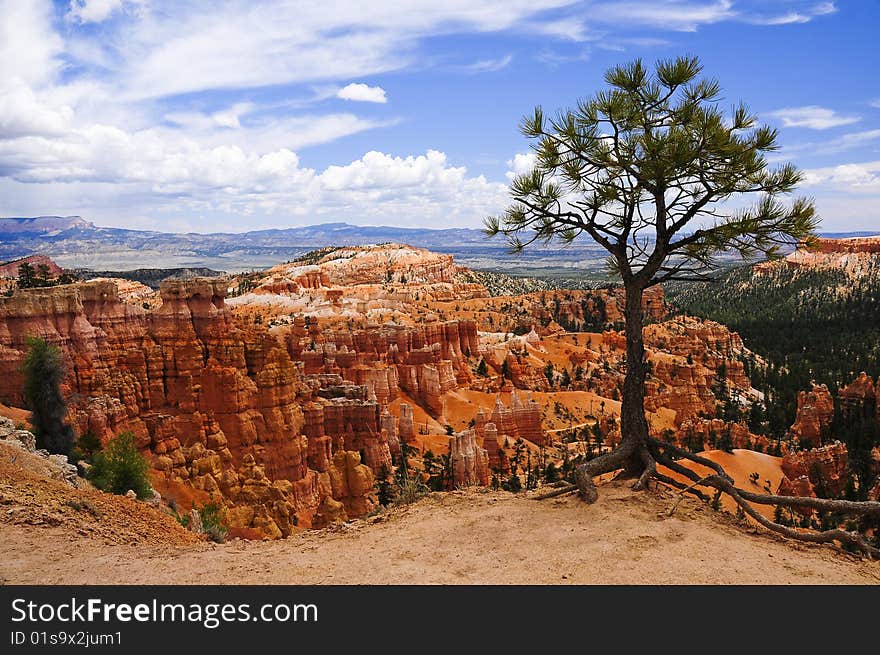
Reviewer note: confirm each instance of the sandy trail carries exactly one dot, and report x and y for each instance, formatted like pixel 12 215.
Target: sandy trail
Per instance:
pixel 467 537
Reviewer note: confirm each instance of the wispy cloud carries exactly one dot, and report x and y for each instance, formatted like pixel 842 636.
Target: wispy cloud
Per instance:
pixel 804 15
pixel 555 58
pixel 684 16
pixel 489 65
pixel 812 117
pixel 837 145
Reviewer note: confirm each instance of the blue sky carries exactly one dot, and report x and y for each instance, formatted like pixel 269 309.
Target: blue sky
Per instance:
pixel 210 115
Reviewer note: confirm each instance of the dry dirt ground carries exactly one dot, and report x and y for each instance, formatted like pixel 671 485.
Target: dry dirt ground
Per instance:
pixel 468 537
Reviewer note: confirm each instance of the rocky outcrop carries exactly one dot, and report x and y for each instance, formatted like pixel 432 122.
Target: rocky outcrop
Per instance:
pixel 815 410
pixel 470 463
pixel 352 483
pixel 10 269
pixel 425 361
pixel 860 397
pixel 56 465
pixel 387 263
pixel 522 420
pixel 496 456
pixel 407 431
pixel 704 434
pixel 821 472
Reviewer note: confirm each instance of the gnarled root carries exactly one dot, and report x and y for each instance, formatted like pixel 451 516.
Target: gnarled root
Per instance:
pixel 648 472
pixel 723 483
pixel 584 474
pixel 657 451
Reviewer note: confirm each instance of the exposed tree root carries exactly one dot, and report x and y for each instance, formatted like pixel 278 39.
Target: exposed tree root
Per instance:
pixel 724 484
pixel 650 469
pixel 584 474
pixel 683 492
pixel 661 452
pixel 560 491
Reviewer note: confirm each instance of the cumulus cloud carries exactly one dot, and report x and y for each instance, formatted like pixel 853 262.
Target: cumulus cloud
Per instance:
pixel 22 113
pixel 520 164
pixel 362 93
pixel 864 177
pixel 812 117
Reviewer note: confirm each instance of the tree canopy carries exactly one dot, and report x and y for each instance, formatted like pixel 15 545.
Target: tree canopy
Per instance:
pixel 652 169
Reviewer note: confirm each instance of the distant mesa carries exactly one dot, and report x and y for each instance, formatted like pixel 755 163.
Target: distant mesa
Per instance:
pixel 43 224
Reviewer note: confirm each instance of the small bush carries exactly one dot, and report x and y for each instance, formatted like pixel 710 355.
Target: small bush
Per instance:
pixel 120 467
pixel 88 444
pixel 410 490
pixel 214 521
pixel 183 519
pixel 513 484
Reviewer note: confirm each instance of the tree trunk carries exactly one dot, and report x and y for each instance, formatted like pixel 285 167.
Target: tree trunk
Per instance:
pixel 632 453
pixel 633 424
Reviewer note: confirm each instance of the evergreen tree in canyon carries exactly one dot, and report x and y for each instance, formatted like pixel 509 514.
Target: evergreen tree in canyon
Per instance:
pixel 656 172
pixel 43 375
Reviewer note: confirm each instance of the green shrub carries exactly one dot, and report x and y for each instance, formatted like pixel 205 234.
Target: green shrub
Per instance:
pixel 410 490
pixel 183 519
pixel 120 467
pixel 214 521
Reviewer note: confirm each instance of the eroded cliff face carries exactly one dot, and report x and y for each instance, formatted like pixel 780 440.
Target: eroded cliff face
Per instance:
pixel 218 406
pixel 855 256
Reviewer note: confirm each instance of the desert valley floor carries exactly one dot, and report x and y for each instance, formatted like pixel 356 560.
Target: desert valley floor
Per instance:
pixel 464 537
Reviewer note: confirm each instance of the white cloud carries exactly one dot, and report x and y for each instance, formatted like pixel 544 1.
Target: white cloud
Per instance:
pixel 520 164
pixel 201 45
pixel 853 140
pixel 804 15
pixel 570 29
pixel 117 106
pixel 362 93
pixel 22 113
pixel 29 46
pixel 812 117
pixel 553 58
pixel 671 14
pixel 862 177
pixel 93 11
pixel 876 103
pixel 489 65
